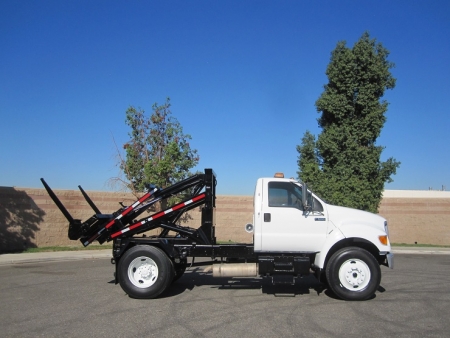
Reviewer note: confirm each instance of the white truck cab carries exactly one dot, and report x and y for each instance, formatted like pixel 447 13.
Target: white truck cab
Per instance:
pixel 287 221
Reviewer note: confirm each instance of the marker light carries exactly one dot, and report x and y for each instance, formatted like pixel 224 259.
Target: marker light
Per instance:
pixel 279 175
pixel 383 239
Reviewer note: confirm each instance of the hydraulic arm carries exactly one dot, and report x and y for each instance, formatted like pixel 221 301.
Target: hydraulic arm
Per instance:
pixel 194 191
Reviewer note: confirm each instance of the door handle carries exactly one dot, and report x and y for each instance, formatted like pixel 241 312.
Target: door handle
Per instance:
pixel 266 217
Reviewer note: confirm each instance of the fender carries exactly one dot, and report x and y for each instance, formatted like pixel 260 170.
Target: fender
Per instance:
pixel 368 233
pixel 348 230
pixel 334 236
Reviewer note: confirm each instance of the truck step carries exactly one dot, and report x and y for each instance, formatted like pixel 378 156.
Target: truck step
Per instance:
pixel 283 267
pixel 283 279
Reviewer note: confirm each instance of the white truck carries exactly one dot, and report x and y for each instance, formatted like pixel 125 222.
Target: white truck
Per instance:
pixel 294 233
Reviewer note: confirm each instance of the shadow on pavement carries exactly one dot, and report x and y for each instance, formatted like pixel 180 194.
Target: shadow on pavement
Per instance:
pixel 196 277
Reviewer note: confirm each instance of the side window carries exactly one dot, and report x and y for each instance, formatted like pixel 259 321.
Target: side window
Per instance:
pixel 285 194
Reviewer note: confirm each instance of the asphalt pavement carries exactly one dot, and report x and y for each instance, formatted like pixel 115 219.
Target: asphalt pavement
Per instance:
pixel 78 298
pixel 55 256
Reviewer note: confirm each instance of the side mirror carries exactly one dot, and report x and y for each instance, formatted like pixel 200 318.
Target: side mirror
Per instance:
pixel 305 198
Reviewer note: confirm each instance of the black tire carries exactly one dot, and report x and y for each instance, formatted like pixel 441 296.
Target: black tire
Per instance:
pixel 145 271
pixel 353 274
pixel 180 268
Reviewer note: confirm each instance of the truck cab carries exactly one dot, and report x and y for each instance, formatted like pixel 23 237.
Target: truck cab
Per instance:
pixel 286 220
pixel 281 222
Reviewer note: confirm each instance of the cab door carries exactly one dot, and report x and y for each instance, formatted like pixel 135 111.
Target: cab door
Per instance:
pixel 283 224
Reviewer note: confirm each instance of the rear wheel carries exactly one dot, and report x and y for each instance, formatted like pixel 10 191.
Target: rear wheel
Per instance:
pixel 145 271
pixel 353 274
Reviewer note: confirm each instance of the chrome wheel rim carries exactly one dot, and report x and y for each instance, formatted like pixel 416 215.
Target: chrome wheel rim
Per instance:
pixel 354 275
pixel 143 272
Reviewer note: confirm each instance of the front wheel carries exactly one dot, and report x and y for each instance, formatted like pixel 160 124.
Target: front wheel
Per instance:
pixel 353 274
pixel 145 271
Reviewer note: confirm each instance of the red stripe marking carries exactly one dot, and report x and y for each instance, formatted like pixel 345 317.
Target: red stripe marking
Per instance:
pixel 127 210
pixel 143 198
pixel 199 197
pixel 176 207
pixel 135 225
pixel 160 214
pixel 110 223
pixel 116 234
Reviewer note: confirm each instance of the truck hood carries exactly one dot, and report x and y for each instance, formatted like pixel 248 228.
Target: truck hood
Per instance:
pixel 343 217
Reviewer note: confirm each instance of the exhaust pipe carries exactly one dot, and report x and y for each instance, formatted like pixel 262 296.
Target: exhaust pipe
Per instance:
pixel 235 270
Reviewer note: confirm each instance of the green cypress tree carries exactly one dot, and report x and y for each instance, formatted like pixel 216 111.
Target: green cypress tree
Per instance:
pixel 343 165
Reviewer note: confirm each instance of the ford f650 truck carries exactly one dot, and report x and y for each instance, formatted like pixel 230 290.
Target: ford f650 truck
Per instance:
pixel 295 233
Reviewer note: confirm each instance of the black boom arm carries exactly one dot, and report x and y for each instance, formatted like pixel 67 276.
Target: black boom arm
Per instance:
pixel 198 190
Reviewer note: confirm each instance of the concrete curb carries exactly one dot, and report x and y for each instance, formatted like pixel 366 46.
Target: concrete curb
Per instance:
pixel 22 258
pixel 420 250
pixel 57 256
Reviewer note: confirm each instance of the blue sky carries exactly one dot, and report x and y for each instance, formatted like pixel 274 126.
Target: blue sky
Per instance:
pixel 243 77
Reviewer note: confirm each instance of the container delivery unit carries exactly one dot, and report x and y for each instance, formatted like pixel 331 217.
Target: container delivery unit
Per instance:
pixel 294 233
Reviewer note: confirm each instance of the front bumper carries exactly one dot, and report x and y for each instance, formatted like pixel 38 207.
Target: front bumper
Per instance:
pixel 390 260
